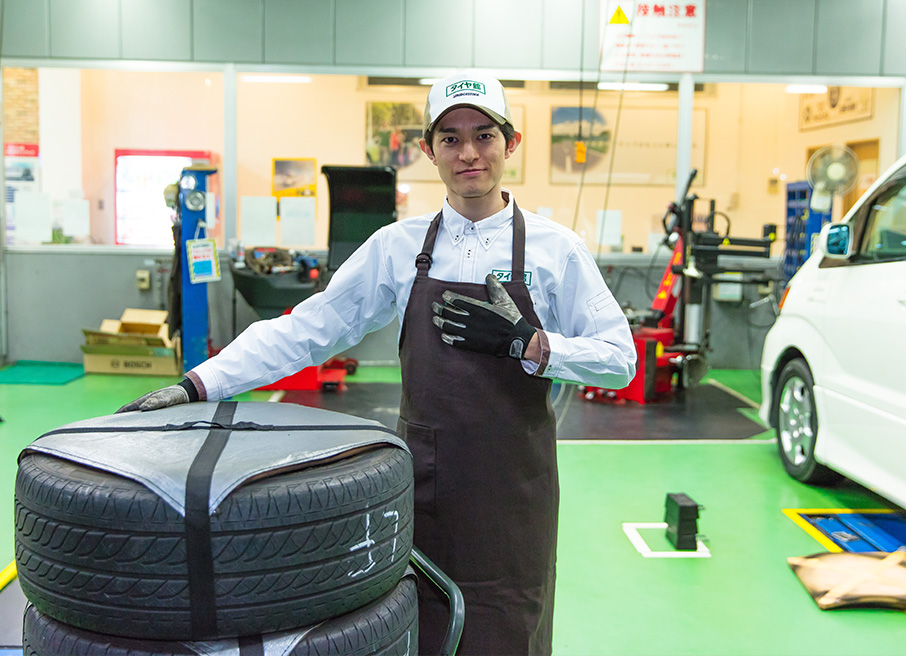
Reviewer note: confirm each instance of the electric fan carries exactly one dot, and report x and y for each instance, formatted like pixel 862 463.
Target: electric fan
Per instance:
pixel 830 170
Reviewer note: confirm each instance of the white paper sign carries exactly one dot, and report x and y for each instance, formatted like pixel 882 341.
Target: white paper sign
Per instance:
pixel 73 216
pixel 653 36
pixel 34 220
pixel 609 230
pixel 297 221
pixel 259 221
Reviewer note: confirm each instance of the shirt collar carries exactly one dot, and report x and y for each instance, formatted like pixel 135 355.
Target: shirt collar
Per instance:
pixel 487 230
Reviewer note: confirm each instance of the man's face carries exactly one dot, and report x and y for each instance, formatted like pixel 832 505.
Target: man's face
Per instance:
pixel 469 152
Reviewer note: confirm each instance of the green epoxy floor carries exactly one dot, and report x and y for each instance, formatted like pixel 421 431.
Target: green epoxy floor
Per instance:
pixel 611 600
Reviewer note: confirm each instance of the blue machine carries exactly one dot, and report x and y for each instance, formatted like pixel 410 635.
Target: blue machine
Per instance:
pixel 802 227
pixel 194 183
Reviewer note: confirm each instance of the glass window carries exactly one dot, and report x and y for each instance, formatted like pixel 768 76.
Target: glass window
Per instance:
pixel 142 219
pixel 885 230
pixel 77 170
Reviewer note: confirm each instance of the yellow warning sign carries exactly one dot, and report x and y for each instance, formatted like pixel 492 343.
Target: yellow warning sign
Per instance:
pixel 619 18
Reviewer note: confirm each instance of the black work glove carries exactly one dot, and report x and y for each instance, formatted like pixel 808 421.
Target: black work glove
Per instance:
pixel 162 398
pixel 497 327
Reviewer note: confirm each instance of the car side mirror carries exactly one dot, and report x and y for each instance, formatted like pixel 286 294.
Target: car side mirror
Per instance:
pixel 835 240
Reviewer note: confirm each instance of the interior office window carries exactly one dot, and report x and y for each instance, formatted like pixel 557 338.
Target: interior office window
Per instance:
pixel 65 130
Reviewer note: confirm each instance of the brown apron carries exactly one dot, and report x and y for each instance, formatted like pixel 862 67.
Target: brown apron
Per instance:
pixel 483 437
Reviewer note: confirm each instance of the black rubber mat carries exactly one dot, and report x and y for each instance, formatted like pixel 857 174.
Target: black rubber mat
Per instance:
pixel 705 412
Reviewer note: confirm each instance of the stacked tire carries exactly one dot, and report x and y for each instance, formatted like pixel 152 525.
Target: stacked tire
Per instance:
pixel 309 561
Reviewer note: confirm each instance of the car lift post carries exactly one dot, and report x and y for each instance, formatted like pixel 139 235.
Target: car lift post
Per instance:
pixel 193 201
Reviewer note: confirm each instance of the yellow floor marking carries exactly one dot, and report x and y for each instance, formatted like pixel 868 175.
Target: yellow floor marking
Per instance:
pixel 796 514
pixel 7 575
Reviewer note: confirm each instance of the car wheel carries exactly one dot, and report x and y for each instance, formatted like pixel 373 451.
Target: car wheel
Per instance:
pixel 387 626
pixel 797 424
pixel 106 554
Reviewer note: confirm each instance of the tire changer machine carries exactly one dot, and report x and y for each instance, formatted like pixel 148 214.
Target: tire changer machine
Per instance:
pixel 672 336
pixel 273 280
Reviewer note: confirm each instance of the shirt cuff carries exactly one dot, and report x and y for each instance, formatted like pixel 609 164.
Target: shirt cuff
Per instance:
pixel 200 392
pixel 538 368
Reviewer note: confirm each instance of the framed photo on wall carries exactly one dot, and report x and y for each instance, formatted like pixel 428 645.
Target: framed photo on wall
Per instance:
pixel 513 171
pixel 392 134
pixel 837 105
pixel 643 152
pixel 294 177
pixel 392 131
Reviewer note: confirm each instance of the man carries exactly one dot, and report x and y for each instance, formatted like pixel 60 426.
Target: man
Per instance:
pixel 493 304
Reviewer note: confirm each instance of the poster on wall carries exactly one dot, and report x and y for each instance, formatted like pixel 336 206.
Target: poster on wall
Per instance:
pixel 643 152
pixel 22 176
pixel 392 133
pixel 836 105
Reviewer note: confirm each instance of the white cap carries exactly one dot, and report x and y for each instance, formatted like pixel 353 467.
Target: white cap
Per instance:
pixel 478 90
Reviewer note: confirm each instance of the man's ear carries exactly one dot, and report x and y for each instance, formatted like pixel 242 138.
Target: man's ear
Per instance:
pixel 426 149
pixel 513 144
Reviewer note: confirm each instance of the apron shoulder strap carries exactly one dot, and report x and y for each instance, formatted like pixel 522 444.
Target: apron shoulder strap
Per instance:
pixel 423 260
pixel 518 245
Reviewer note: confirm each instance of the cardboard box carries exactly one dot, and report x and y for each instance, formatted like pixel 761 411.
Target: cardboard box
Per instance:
pixel 136 344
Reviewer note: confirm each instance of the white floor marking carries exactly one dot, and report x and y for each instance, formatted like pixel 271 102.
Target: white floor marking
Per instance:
pixel 632 532
pixel 773 440
pixel 732 392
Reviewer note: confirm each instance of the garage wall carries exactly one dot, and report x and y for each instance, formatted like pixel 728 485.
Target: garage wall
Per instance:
pixel 51 304
pixel 758 37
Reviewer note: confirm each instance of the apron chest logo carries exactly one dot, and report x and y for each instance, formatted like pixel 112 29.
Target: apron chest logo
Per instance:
pixel 507 276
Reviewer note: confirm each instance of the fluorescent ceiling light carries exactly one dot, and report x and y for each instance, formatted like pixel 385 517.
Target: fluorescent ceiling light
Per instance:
pixel 633 86
pixel 806 88
pixel 277 79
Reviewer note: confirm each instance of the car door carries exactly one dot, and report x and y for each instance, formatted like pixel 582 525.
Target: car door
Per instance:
pixel 863 373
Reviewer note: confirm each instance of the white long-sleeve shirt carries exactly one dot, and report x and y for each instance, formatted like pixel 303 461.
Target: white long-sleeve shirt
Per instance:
pixel 588 339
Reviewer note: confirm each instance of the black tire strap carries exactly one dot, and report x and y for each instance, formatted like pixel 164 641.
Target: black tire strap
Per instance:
pixel 238 426
pixel 251 646
pixel 199 556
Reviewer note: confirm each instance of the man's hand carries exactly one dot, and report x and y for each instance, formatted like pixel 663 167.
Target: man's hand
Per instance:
pixel 497 327
pixel 162 398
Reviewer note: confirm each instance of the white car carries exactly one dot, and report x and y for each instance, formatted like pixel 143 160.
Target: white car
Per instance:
pixel 833 369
